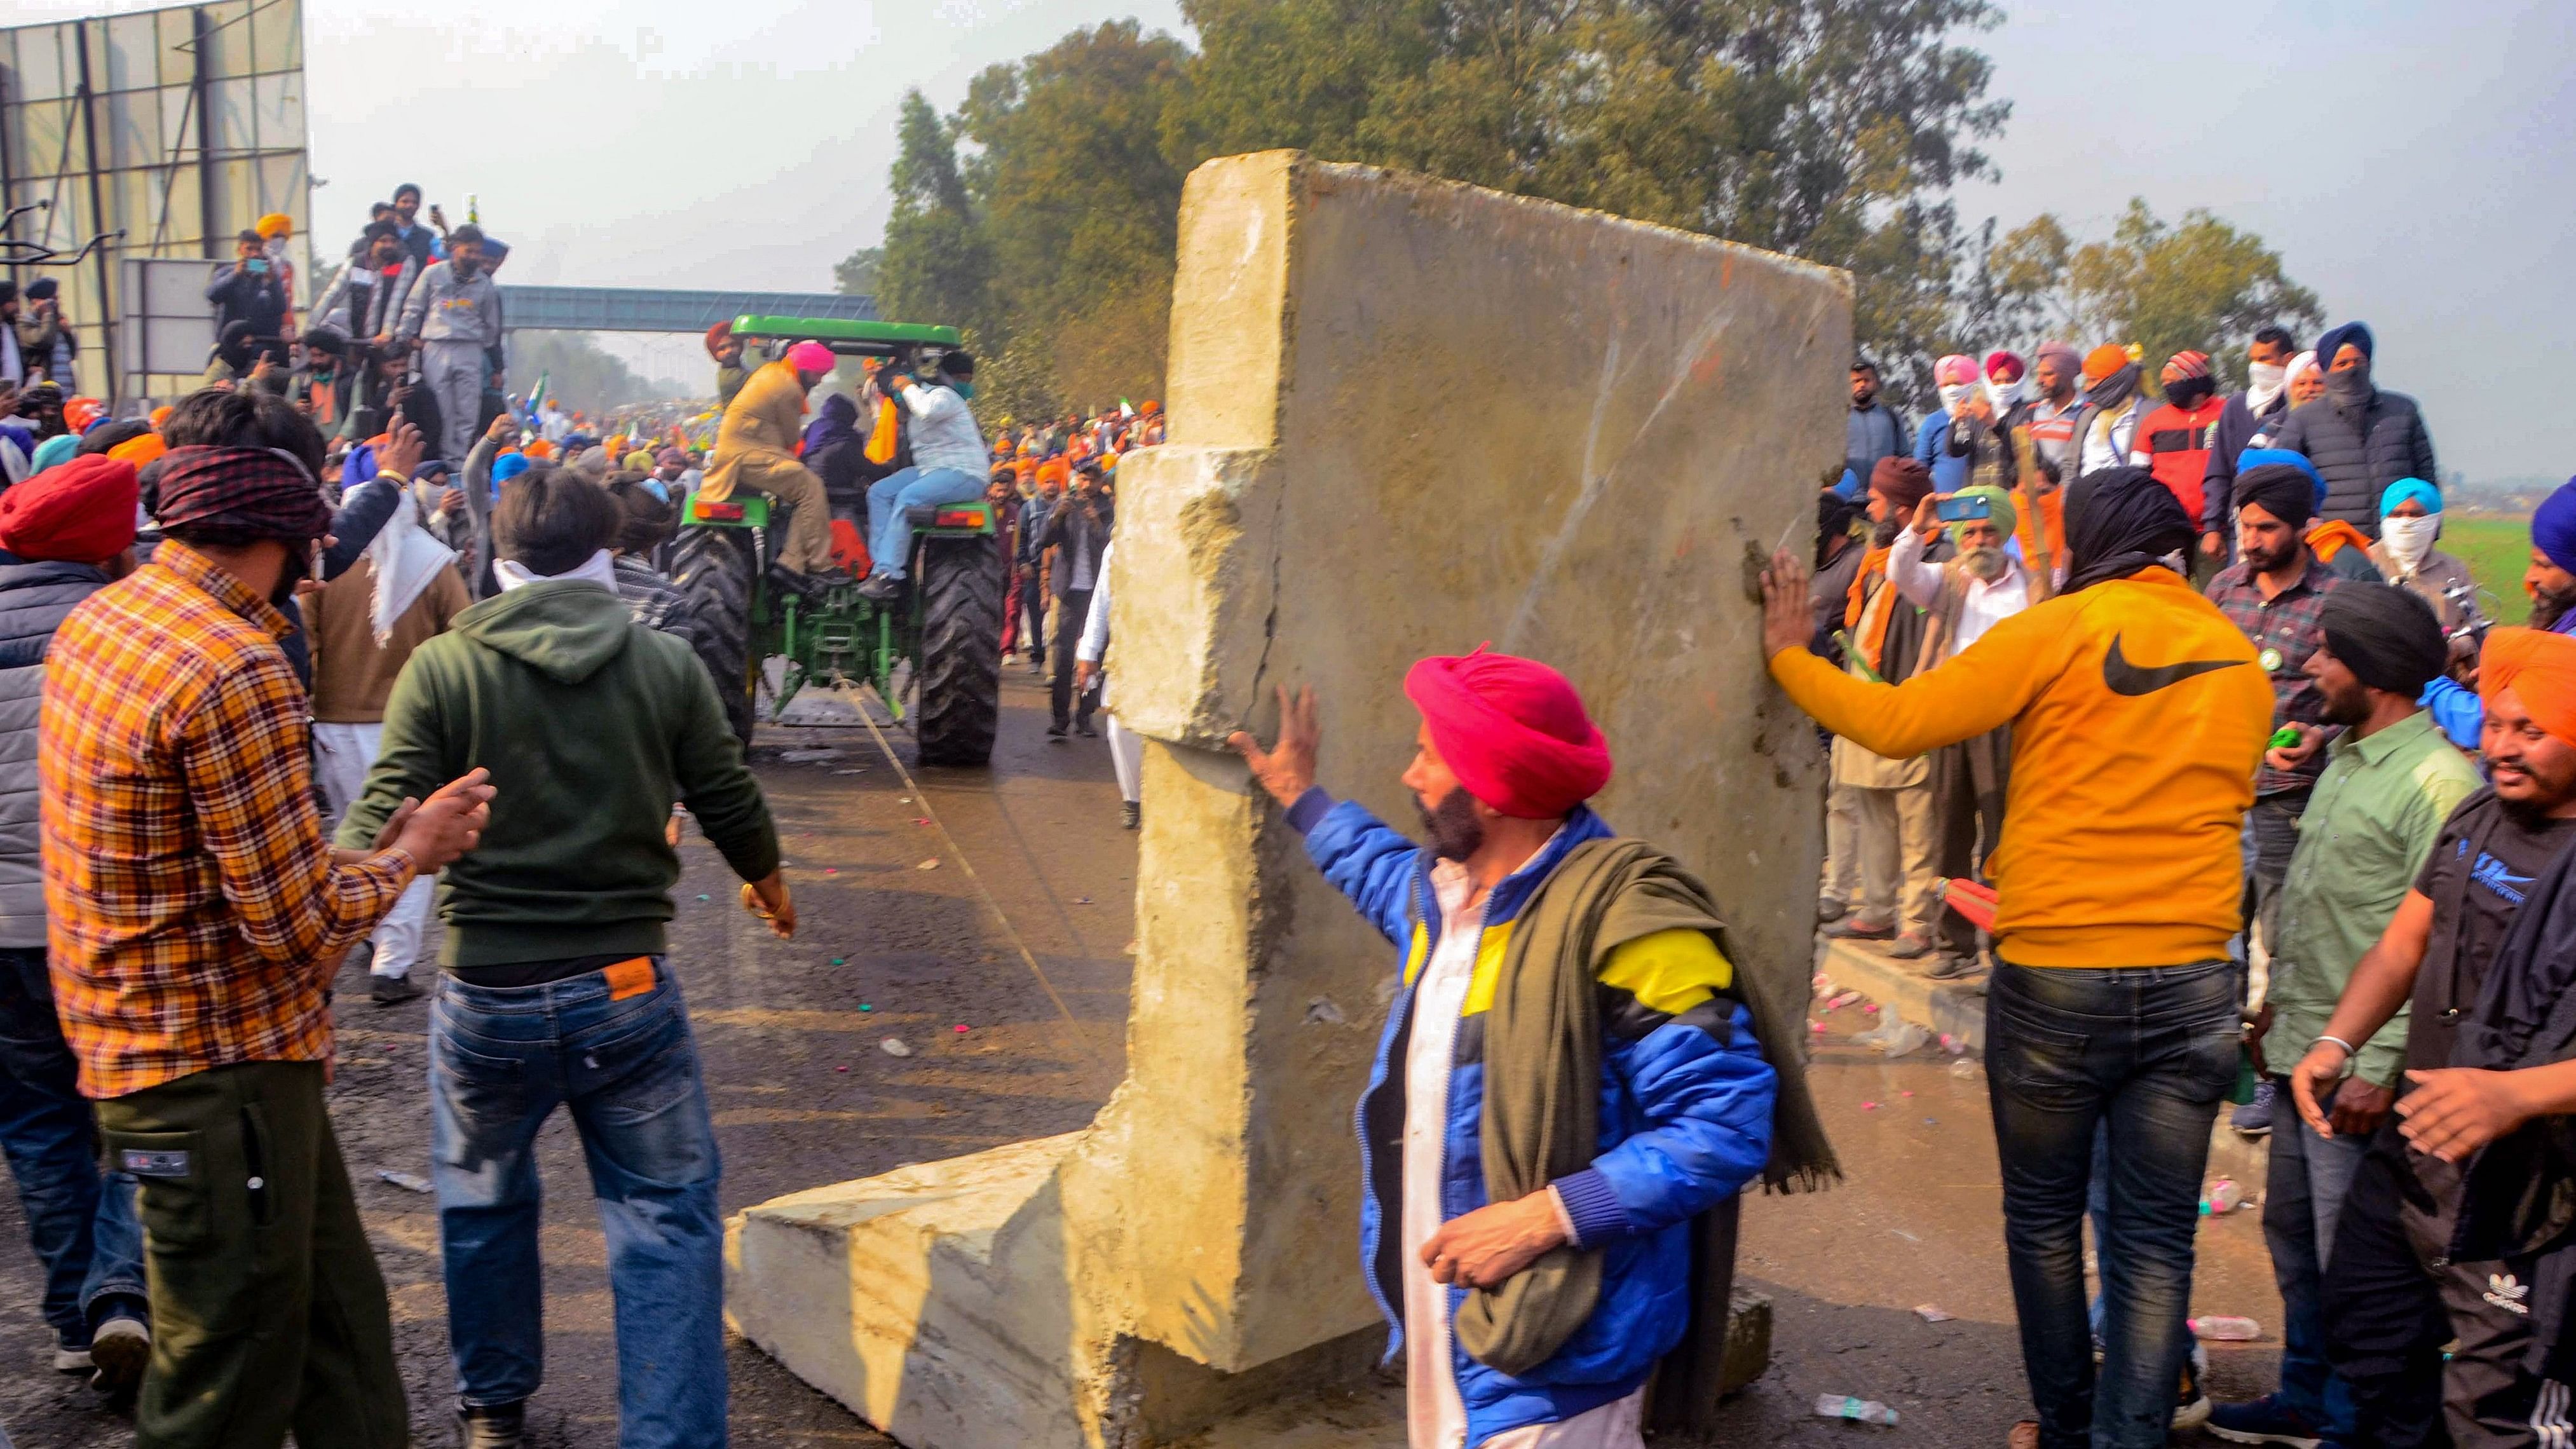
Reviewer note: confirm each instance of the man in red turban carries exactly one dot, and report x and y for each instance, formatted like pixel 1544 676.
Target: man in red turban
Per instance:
pixel 79 513
pixel 1548 968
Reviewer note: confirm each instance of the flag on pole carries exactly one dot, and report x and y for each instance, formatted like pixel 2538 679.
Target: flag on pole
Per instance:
pixel 537 397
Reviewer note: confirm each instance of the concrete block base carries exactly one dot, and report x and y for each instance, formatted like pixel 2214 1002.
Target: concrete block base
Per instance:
pixel 1359 474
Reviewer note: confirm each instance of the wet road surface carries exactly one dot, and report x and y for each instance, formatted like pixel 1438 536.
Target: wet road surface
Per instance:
pixel 777 1022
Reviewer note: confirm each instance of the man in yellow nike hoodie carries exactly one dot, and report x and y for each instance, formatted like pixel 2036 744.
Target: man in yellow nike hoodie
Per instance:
pixel 2138 715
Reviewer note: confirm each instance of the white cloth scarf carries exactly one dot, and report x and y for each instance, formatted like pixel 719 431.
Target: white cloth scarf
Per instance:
pixel 598 569
pixel 2409 540
pixel 406 558
pixel 2264 383
pixel 2006 395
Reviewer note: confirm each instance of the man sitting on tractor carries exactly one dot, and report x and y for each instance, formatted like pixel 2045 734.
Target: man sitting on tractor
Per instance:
pixel 947 464
pixel 756 450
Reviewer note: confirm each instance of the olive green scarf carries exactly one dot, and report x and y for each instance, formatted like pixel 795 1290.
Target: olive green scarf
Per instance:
pixel 1543 1075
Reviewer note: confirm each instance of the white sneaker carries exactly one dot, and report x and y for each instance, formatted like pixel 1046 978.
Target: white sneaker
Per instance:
pixel 71 1360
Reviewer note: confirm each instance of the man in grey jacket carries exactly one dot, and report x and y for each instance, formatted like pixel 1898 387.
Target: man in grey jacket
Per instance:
pixel 454 312
pixel 67 534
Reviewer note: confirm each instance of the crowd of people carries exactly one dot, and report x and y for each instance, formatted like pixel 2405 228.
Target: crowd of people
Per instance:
pixel 2262 794
pixel 273 660
pixel 2269 810
pixel 269 667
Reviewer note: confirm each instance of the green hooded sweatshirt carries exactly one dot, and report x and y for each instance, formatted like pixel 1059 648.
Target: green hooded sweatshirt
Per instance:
pixel 591 725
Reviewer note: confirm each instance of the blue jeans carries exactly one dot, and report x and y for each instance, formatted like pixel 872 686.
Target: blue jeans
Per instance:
pixel 500 1061
pixel 2150 1051
pixel 80 1221
pixel 2302 1196
pixel 889 535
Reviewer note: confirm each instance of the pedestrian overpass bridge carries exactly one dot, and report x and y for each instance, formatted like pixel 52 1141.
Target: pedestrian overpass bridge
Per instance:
pixel 664 309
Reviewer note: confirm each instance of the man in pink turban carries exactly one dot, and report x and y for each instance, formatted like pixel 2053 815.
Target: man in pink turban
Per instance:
pixel 1548 969
pixel 756 453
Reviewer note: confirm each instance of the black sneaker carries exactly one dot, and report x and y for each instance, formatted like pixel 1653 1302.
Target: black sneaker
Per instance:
pixel 1130 815
pixel 491 1426
pixel 1055 734
pixel 1083 728
pixel 392 990
pixel 880 588
pixel 2254 1119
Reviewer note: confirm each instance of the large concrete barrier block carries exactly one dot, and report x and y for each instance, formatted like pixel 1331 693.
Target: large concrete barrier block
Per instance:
pixel 1409 417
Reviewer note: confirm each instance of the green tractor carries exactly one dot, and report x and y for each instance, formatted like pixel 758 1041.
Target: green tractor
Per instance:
pixel 943 635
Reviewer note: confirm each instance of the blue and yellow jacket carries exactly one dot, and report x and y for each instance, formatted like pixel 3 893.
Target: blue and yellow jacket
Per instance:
pixel 1685 1116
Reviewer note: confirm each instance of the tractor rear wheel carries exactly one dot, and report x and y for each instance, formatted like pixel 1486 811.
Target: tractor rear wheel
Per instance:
pixel 713 567
pixel 960 704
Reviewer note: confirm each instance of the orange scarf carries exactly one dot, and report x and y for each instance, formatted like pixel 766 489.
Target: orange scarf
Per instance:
pixel 2330 538
pixel 1873 564
pixel 881 441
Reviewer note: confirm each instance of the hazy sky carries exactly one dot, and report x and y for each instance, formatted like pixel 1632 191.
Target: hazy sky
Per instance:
pixel 2410 160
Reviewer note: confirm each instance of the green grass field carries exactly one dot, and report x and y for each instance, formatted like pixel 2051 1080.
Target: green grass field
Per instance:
pixel 2496 551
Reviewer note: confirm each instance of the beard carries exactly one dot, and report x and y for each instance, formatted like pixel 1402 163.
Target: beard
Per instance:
pixel 1985 563
pixel 298 568
pixel 2548 606
pixel 1883 531
pixel 1455 830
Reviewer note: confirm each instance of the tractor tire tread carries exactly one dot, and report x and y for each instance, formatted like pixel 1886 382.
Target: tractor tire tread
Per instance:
pixel 960 701
pixel 713 568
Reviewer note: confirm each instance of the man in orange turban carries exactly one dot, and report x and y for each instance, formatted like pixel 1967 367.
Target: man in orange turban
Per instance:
pixel 2395 1297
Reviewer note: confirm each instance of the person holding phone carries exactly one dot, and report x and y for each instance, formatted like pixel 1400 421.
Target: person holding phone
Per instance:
pixel 249 290
pixel 1979 586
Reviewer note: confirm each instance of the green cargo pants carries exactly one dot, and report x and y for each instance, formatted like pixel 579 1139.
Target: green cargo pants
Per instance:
pixel 268 1313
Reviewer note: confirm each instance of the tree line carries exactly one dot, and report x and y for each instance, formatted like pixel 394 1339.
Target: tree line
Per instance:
pixel 1041 215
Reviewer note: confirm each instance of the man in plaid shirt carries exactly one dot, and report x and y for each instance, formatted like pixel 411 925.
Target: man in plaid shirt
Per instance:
pixel 197 914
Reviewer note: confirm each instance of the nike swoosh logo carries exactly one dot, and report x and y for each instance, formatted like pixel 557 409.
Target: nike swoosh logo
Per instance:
pixel 2131 679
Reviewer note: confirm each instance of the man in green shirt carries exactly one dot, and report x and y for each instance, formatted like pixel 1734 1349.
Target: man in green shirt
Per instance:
pixel 2389 782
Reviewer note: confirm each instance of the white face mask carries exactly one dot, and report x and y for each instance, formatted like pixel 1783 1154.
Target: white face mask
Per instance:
pixel 2266 377
pixel 1954 396
pixel 2006 395
pixel 2409 539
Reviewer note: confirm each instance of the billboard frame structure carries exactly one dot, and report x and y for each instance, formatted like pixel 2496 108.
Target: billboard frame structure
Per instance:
pixel 157 134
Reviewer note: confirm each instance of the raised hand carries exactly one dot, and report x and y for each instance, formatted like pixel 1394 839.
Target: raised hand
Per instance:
pixel 1286 769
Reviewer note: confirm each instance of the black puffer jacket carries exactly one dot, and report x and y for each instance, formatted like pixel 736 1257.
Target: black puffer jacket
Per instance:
pixel 34 597
pixel 2360 452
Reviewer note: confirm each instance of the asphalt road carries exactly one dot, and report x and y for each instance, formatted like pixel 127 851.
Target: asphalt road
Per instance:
pixel 802 1092
pixel 1916 1223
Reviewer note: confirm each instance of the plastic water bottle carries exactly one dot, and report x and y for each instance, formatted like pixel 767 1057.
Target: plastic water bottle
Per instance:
pixel 1859 1411
pixel 2222 1197
pixel 2218 1329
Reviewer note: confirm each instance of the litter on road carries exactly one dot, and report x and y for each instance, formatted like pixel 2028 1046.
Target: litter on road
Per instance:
pixel 894 1047
pixel 1859 1411
pixel 2221 1329
pixel 407 1181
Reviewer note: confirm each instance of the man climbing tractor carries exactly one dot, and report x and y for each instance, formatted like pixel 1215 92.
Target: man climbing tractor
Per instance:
pixel 948 458
pixel 756 452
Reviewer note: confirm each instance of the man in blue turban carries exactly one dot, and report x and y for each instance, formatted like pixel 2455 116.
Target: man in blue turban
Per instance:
pixel 2361 437
pixel 2551 579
